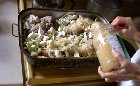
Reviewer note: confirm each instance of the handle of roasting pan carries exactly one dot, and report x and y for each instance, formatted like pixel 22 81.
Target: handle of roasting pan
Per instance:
pixel 14 24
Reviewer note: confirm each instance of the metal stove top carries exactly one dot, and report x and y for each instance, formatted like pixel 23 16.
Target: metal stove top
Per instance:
pixel 69 5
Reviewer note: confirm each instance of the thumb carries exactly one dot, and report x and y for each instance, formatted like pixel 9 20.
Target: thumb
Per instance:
pixel 125 63
pixel 122 61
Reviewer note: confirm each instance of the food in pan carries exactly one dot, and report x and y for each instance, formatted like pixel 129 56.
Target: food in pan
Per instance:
pixel 72 37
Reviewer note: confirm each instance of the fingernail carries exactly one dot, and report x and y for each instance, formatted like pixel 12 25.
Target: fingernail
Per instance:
pixel 113 22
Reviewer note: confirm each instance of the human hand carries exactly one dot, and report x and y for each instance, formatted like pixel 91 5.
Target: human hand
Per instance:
pixel 126 71
pixel 126 26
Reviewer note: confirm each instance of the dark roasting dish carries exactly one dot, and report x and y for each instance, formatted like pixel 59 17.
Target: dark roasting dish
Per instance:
pixel 62 62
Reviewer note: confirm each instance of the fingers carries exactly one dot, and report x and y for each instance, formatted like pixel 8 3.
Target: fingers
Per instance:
pixel 121 29
pixel 113 74
pixel 100 71
pixel 121 24
pixel 112 80
pixel 116 76
pixel 125 77
pixel 119 57
pixel 117 21
pixel 125 63
pixel 109 77
pixel 115 79
pixel 121 21
pixel 127 70
pixel 122 60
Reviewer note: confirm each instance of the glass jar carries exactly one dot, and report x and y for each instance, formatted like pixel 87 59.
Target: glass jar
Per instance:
pixel 105 40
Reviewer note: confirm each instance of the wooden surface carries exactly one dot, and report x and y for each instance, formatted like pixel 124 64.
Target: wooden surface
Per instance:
pixel 86 83
pixel 62 77
pixel 58 75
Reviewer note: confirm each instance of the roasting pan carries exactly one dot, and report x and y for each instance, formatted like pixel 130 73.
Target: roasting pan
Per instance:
pixel 63 62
